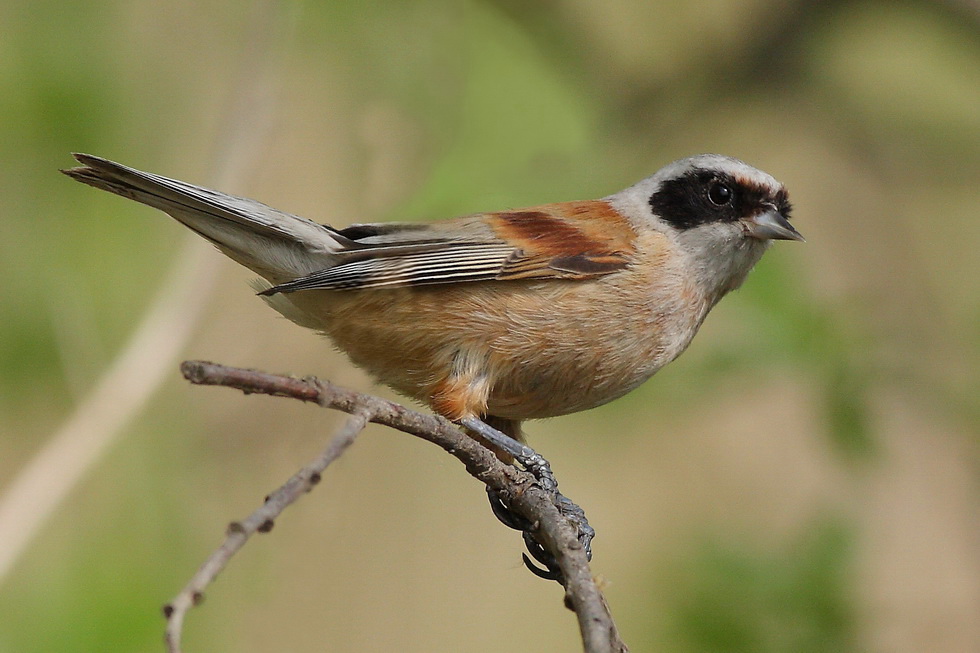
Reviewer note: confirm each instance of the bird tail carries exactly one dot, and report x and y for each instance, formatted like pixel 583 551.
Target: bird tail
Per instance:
pixel 276 245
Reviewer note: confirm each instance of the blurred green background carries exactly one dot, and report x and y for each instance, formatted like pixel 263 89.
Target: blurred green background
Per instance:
pixel 804 478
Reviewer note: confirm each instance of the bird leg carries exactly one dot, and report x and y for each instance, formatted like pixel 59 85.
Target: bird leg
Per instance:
pixel 540 468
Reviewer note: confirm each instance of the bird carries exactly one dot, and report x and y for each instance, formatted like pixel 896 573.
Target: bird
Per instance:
pixel 495 318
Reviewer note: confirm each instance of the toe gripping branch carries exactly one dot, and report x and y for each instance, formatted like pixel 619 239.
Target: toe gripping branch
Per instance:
pixel 540 468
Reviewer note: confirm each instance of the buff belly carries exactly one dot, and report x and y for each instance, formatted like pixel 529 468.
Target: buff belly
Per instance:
pixel 513 350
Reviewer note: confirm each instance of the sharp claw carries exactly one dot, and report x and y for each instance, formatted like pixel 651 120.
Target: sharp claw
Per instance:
pixel 550 569
pixel 513 520
pixel 546 574
pixel 505 515
pixel 568 509
pixel 538 552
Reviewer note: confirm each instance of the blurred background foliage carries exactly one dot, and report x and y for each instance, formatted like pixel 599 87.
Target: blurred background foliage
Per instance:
pixel 805 478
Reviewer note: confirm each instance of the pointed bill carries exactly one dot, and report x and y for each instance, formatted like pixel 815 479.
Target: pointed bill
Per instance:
pixel 771 225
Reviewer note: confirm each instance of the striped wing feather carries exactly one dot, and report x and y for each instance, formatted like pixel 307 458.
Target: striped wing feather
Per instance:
pixel 538 243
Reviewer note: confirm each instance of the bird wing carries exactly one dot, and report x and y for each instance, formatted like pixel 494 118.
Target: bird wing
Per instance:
pixel 571 240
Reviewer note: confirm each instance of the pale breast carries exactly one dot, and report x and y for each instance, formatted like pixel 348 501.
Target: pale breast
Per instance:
pixel 599 340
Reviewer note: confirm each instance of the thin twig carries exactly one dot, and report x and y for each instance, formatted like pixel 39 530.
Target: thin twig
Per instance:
pixel 260 521
pixel 514 487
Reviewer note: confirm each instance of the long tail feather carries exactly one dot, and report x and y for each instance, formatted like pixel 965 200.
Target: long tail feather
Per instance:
pixel 277 245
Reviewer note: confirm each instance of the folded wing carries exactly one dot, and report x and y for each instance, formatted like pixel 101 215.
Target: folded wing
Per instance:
pixel 558 241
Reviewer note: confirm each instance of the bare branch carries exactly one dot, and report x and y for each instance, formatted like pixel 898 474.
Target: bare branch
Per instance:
pixel 516 488
pixel 260 521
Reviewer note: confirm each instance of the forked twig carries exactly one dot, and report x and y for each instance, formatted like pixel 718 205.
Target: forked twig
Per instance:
pixel 513 486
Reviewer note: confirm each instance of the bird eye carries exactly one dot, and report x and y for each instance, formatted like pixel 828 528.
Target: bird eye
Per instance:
pixel 719 193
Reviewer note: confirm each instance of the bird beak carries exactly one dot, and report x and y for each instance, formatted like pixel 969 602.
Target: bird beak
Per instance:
pixel 771 225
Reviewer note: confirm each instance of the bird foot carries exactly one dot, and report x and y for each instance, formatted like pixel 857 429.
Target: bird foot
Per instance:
pixel 568 509
pixel 540 468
